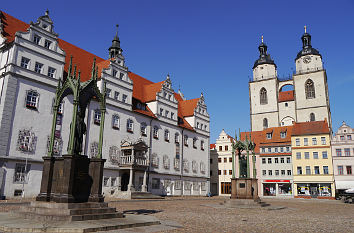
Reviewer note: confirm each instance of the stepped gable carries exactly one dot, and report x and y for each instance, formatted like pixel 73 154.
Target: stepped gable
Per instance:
pixel 143 90
pixel 286 96
pixel 310 128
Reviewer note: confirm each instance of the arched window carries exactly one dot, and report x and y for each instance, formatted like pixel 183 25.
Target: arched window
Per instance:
pixel 115 122
pixel 312 117
pixel 167 135
pixel 143 129
pixel 263 96
pixel 265 123
pixel 155 132
pixel 309 89
pixel 130 125
pixel 32 99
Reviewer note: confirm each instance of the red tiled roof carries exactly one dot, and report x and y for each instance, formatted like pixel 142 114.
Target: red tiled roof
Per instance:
pixel 212 146
pixel 255 137
pixel 276 135
pixel 143 89
pixel 286 96
pixel 310 128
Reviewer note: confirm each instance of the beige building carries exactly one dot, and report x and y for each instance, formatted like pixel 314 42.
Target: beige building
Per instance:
pixel 303 97
pixel 312 160
pixel 343 157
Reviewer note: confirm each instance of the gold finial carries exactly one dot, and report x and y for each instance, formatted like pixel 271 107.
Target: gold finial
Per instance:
pixel 262 38
pixel 305 28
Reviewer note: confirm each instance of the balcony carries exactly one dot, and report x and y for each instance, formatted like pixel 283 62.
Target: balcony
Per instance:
pixel 130 160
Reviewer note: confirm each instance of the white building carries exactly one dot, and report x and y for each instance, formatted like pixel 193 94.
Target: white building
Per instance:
pixel 150 130
pixel 342 145
pixel 300 98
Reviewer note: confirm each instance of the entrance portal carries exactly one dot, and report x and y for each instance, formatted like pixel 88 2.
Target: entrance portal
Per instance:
pixel 313 191
pixel 125 181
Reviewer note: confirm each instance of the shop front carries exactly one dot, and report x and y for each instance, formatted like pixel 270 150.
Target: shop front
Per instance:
pixel 314 190
pixel 277 188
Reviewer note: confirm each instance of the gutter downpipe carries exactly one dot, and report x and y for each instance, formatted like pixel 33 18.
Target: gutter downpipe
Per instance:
pixel 181 161
pixel 150 146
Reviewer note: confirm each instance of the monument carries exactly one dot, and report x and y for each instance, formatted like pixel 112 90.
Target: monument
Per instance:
pixel 244 187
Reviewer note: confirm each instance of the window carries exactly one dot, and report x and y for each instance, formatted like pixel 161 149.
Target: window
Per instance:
pixel 276 160
pixel 288 160
pixel 105 181
pixel 230 172
pixel 306 141
pixel 124 98
pixel 121 75
pixel 32 99
pixel 36 39
pixel 114 73
pixel 116 95
pixel 281 149
pixel 307 155
pixel 202 168
pixel 155 160
pixel 283 172
pixel 155 183
pixel 339 152
pixel 155 132
pixel 202 145
pixel 325 169
pixel 21 172
pixel 277 172
pixel 97 117
pixel 225 160
pixel 349 137
pixel 315 155
pixel 166 162
pixel 289 172
pixel 347 151
pixel 269 135
pixel 324 155
pixel 225 172
pixel 167 113
pixel 269 149
pixel 115 122
pixel 340 170
pixel 298 155
pixel 177 138
pixel 276 149
pixel 312 117
pixel 317 170
pixel 108 92
pixel 172 115
pixel 167 135
pixel 38 67
pixel 161 111
pixel 342 138
pixel 226 148
pixel 282 134
pixel 287 149
pixel 286 105
pixel 308 170
pixel 298 142
pixel 194 143
pixel 264 172
pixel 263 160
pixel 263 149
pixel 47 44
pixel 299 170
pixel 263 96
pixel 94 150
pixel 25 62
pixel 185 140
pixel 309 89
pixel 219 172
pixel 269 160
pixel 323 140
pixel 113 181
pixel 51 72
pixel 349 170
pixel 270 172
pixel 130 125
pixel 281 160
pixel 219 160
pixel 265 123
pixel 314 141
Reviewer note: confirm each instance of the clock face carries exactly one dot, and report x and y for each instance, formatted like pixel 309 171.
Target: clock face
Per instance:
pixel 307 59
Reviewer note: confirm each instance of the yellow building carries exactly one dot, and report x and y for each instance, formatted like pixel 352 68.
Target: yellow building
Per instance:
pixel 312 160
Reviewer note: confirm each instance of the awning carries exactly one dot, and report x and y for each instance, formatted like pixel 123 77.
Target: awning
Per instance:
pixel 344 184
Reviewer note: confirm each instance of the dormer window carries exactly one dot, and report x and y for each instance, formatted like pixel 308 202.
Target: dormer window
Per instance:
pixel 269 135
pixel 114 73
pixel 44 26
pixel 121 75
pixel 166 113
pixel 283 134
pixel 47 44
pixel 36 39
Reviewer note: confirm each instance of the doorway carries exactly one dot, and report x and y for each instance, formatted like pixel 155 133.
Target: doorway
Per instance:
pixel 125 181
pixel 313 191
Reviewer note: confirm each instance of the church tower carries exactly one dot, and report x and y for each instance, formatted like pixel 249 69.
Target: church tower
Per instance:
pixel 310 84
pixel 263 91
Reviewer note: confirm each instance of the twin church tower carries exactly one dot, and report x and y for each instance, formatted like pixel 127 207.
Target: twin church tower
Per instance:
pixel 281 102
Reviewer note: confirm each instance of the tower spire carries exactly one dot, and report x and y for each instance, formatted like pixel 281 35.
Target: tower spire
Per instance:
pixel 115 50
pixel 305 28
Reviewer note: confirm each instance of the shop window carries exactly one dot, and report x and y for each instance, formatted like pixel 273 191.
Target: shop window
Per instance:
pixel 284 189
pixel 269 189
pixel 225 187
pixel 325 190
pixel 303 189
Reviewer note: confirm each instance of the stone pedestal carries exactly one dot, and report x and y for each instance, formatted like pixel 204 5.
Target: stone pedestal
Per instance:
pixel 47 176
pixel 244 188
pixel 96 174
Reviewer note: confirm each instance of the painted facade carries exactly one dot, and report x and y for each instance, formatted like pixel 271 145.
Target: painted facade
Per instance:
pixel 302 97
pixel 312 160
pixel 343 157
pixel 146 124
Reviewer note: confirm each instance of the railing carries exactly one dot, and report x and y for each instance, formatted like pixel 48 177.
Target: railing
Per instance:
pixel 130 160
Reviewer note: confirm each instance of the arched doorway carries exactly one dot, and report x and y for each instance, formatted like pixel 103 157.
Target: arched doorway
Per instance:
pixel 125 181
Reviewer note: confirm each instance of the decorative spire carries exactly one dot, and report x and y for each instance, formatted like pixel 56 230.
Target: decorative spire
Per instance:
pixel 264 57
pixel 306 45
pixel 115 50
pixel 262 38
pixel 47 12
pixel 305 28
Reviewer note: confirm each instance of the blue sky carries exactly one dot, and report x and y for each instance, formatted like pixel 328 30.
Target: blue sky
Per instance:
pixel 210 46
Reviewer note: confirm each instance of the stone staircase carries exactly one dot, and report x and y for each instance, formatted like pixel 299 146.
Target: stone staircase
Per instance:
pixel 48 211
